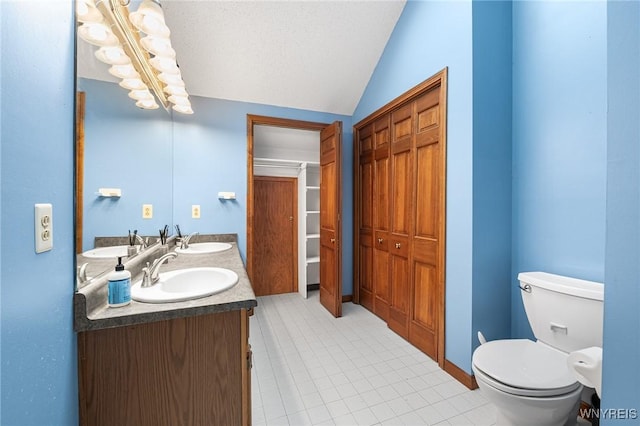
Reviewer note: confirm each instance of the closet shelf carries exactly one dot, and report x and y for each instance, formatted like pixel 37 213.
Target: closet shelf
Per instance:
pixel 314 259
pixel 313 211
pixel 310 236
pixel 313 188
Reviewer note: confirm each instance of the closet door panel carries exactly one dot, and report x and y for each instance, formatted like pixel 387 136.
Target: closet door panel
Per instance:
pixel 381 145
pixel 365 212
pixel 401 182
pixel 427 229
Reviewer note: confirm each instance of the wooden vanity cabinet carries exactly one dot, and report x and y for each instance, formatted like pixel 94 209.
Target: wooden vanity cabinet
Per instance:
pixel 184 371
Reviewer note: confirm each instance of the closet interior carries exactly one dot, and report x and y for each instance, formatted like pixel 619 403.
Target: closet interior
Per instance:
pixel 295 153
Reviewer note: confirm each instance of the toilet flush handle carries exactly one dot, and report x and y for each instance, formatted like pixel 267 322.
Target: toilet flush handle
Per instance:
pixel 526 288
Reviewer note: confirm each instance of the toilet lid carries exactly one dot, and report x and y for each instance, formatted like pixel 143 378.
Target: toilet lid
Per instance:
pixel 525 364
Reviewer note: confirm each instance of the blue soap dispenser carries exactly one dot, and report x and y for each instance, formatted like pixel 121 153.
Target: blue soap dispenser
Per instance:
pixel 119 286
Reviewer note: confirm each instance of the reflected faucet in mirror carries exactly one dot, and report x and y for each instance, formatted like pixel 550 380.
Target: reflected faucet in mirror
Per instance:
pixel 184 242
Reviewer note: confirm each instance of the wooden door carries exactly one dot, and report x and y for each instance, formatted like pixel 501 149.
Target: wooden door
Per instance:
pixel 330 223
pixel 401 209
pixel 275 246
pixel 428 233
pixel 381 148
pixel 365 176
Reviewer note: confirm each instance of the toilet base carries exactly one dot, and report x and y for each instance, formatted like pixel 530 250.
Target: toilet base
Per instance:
pixel 516 410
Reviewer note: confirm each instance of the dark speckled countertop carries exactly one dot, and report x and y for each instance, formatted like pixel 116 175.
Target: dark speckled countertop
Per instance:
pixel 91 311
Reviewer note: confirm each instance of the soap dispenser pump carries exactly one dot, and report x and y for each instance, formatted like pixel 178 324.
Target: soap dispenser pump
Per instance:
pixel 119 286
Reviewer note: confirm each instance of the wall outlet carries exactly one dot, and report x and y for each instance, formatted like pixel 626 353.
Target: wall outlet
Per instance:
pixel 147 211
pixel 43 227
pixel 195 211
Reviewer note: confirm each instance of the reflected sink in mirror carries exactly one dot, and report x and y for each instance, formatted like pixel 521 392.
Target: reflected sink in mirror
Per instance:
pixel 106 252
pixel 185 284
pixel 203 248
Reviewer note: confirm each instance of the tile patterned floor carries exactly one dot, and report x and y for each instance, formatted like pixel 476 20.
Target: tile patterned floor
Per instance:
pixel 312 369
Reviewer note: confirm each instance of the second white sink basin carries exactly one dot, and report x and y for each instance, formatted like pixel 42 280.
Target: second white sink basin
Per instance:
pixel 106 252
pixel 185 284
pixel 203 248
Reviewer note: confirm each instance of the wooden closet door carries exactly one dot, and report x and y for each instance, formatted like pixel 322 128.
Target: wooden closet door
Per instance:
pixel 365 201
pixel 401 209
pixel 427 230
pixel 382 288
pixel 330 223
pixel 275 235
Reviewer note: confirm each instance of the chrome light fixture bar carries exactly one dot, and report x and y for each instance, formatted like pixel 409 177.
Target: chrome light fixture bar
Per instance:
pixel 138 48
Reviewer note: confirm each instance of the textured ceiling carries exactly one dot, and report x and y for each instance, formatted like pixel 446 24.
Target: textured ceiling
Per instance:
pixel 314 55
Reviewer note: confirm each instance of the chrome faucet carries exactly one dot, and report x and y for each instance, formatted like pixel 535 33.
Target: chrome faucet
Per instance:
pixel 144 242
pixel 184 242
pixel 82 273
pixel 151 274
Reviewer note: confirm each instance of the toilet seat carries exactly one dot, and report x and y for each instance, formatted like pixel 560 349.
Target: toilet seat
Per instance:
pixel 523 367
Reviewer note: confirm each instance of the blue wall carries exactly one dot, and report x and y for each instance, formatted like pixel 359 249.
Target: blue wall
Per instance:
pixel 428 37
pixel 622 271
pixel 210 155
pixel 491 170
pixel 559 142
pixel 39 381
pixel 128 148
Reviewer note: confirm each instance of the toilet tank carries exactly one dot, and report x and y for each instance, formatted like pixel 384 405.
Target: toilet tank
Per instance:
pixel 564 313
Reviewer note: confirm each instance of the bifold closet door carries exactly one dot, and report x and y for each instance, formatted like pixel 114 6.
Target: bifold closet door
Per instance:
pixel 381 150
pixel 401 209
pixel 365 239
pixel 427 233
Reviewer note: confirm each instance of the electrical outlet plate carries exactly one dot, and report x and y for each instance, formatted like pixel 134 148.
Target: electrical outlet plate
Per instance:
pixel 43 227
pixel 147 211
pixel 195 211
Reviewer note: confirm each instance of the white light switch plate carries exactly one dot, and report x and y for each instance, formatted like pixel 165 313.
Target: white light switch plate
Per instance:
pixel 43 227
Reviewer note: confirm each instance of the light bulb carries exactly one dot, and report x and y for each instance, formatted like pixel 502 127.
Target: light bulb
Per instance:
pixel 179 100
pixel 183 109
pixel 86 11
pixel 147 104
pixel 124 71
pixel 141 95
pixel 165 65
pixel 171 79
pixel 133 84
pixel 149 19
pixel 112 55
pixel 176 90
pixel 158 46
pixel 97 34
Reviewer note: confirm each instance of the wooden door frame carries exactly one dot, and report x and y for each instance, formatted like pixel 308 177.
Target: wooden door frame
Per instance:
pixel 261 120
pixel 440 78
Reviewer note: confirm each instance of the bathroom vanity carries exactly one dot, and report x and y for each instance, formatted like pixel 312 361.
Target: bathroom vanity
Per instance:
pixel 180 363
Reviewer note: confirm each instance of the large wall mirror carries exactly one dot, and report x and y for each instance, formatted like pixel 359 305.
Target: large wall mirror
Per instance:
pixel 122 147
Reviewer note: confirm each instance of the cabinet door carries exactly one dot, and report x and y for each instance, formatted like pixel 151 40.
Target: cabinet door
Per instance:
pixel 401 208
pixel 184 371
pixel 381 144
pixel 365 211
pixel 427 230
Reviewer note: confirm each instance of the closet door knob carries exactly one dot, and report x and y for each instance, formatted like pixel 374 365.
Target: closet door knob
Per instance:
pixel 380 240
pixel 333 240
pixel 397 245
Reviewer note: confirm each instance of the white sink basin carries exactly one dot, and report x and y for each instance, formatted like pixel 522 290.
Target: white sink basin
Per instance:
pixel 203 248
pixel 185 284
pixel 106 252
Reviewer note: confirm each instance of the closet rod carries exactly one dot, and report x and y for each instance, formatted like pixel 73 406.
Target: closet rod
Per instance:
pixel 276 166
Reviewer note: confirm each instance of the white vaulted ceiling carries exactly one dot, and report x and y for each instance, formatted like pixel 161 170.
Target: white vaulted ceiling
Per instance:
pixel 314 55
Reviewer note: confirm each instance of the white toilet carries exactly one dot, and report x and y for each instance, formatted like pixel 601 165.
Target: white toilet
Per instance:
pixel 529 382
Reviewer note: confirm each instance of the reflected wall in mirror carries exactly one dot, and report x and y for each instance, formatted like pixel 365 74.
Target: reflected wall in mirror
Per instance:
pixel 128 149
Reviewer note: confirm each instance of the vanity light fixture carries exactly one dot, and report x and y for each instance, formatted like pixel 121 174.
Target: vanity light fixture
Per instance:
pixel 137 47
